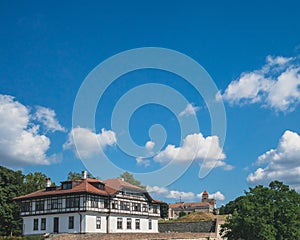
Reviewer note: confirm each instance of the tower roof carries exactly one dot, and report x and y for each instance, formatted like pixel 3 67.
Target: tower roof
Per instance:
pixel 205 193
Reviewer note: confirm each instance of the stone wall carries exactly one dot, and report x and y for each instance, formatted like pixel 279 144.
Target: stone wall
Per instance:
pixel 202 227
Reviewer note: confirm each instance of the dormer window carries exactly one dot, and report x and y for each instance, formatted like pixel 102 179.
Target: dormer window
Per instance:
pixel 66 185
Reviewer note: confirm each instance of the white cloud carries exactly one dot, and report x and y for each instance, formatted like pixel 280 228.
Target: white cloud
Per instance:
pixel 282 163
pixel 88 143
pixel 142 161
pixel 195 146
pixel 190 110
pixel 48 118
pixel 275 85
pixel 20 141
pixel 217 196
pixel 163 192
pixel 149 145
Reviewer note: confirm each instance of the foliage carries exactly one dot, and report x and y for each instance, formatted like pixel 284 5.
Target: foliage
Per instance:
pixel 72 176
pixel 181 214
pixel 23 238
pixel 264 213
pixel 130 179
pixel 14 184
pixel 164 210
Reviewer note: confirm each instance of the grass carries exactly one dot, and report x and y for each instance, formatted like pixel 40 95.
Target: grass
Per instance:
pixel 196 217
pixel 23 238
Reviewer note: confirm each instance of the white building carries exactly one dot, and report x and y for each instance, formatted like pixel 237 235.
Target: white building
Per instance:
pixel 89 206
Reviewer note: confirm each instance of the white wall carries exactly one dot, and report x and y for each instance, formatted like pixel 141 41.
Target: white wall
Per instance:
pixel 144 225
pixel 90 222
pixel 63 224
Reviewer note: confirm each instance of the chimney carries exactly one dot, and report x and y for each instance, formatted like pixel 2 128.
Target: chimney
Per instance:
pixel 83 174
pixel 48 182
pixel 122 179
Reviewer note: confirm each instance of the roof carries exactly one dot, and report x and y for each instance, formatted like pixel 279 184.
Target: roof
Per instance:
pixel 189 205
pixel 119 184
pixel 205 193
pixel 78 186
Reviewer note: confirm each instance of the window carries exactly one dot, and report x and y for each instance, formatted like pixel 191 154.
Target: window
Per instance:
pixel 136 207
pixel 128 223
pixel 119 223
pixel 125 206
pixel 39 205
pixel 150 224
pixel 114 205
pixel 94 201
pixel 72 202
pixel 137 223
pixel 35 224
pixel 145 208
pixel 66 185
pixel 43 224
pixel 155 209
pixel 25 206
pixel 98 223
pixel 71 222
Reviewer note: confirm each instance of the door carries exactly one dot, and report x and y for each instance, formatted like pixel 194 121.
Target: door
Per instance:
pixel 55 225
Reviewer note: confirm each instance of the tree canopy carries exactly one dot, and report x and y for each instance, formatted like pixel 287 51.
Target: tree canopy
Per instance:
pixel 264 213
pixel 130 179
pixel 72 176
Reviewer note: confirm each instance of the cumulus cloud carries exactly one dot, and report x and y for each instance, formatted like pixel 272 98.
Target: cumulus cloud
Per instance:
pixel 142 161
pixel 282 163
pixel 48 118
pixel 149 146
pixel 190 110
pixel 195 147
pixel 20 141
pixel 217 195
pixel 275 85
pixel 163 192
pixel 88 143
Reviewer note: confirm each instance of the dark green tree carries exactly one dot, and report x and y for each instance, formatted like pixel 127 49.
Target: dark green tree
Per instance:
pixel 11 186
pixel 164 210
pixel 130 179
pixel 33 182
pixel 181 214
pixel 73 176
pixel 264 213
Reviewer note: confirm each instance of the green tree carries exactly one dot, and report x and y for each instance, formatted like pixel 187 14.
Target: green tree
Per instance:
pixel 130 179
pixel 11 186
pixel 264 213
pixel 73 176
pixel 164 210
pixel 181 214
pixel 33 182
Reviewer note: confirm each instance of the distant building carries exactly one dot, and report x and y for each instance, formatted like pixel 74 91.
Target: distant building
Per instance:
pixel 206 205
pixel 89 206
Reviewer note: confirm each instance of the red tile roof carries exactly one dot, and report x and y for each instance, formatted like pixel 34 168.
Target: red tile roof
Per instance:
pixel 118 184
pixel 79 186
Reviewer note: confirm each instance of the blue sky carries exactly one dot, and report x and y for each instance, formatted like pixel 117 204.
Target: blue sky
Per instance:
pixel 250 49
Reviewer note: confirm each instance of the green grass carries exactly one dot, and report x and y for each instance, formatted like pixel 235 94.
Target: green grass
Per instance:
pixel 23 238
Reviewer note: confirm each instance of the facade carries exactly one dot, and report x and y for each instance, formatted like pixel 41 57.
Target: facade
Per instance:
pixel 206 205
pixel 89 206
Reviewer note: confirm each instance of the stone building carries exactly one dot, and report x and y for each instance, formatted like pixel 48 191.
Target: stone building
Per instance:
pixel 206 205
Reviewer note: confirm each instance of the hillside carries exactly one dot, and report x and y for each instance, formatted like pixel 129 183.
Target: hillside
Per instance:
pixel 198 217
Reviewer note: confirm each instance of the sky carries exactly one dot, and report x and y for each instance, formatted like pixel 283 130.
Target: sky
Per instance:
pixel 74 94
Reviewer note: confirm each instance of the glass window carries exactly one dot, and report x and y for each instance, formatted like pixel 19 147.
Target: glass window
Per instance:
pixel 114 205
pixel 43 224
pixel 128 223
pixel 150 224
pixel 137 223
pixel 72 202
pixel 71 222
pixel 119 223
pixel 25 206
pixel 39 205
pixel 98 223
pixel 35 224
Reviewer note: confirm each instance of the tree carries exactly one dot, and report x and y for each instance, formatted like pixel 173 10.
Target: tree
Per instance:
pixel 181 214
pixel 264 213
pixel 164 210
pixel 73 176
pixel 130 179
pixel 11 186
pixel 33 182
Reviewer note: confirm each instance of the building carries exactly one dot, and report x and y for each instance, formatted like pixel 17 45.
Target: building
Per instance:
pixel 206 205
pixel 89 206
